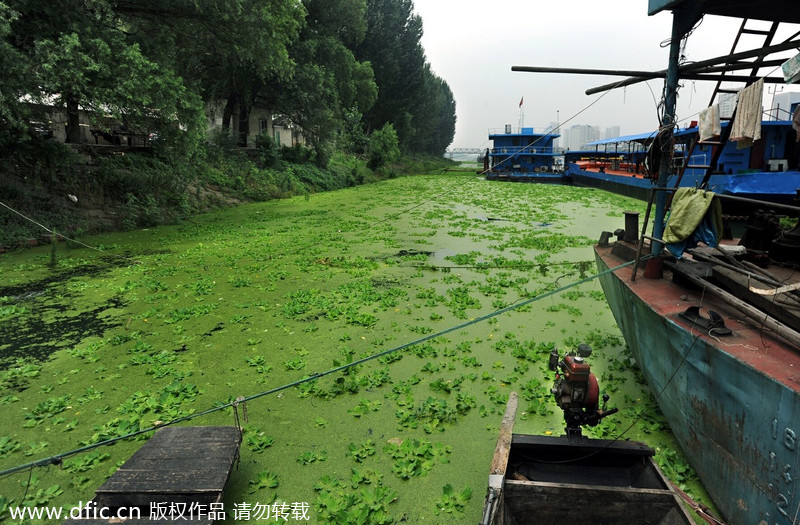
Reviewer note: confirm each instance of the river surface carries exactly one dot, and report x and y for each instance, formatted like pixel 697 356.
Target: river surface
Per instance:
pixel 157 324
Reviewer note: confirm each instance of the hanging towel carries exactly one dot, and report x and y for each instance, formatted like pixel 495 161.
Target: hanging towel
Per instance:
pixel 696 216
pixel 710 125
pixel 796 121
pixel 747 123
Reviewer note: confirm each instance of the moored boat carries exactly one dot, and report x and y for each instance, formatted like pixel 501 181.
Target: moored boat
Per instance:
pixel 733 401
pixel 549 479
pixel 766 170
pixel 523 156
pixel 718 338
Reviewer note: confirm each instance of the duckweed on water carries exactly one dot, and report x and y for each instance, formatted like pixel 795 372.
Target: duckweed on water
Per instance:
pixel 249 299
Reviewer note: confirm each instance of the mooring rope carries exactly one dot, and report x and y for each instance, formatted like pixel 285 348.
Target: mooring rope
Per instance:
pixel 57 459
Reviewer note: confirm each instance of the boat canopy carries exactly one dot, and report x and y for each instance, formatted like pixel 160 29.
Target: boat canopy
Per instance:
pixel 639 137
pixel 772 10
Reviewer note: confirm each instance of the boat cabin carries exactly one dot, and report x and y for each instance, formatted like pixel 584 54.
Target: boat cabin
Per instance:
pixel 523 154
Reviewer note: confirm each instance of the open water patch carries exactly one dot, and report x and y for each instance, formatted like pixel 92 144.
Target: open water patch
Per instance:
pixel 39 287
pixel 47 326
pixel 43 317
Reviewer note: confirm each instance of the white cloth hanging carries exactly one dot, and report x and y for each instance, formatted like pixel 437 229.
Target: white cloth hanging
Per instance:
pixel 710 125
pixel 747 122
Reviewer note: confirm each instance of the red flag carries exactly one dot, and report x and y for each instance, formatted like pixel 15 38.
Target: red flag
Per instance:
pixel 520 101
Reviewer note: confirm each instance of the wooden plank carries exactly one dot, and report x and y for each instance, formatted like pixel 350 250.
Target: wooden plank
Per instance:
pixel 497 471
pixel 501 450
pixel 549 444
pixel 180 464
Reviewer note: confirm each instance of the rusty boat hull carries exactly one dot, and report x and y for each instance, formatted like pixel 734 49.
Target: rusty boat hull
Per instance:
pixel 732 402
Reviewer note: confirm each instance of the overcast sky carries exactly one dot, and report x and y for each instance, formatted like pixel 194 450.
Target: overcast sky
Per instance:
pixel 472 45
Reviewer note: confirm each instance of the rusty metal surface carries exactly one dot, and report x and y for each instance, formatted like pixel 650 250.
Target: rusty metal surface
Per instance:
pixel 734 405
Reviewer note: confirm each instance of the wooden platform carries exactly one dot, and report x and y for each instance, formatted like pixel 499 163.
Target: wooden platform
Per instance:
pixel 178 465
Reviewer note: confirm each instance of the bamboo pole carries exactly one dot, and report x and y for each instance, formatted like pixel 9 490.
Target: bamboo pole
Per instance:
pixel 767 321
pixel 752 275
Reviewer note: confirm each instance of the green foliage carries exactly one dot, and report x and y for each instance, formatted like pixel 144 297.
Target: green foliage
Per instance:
pixel 8 445
pixel 264 480
pixel 85 462
pixel 451 501
pixel 337 503
pixel 267 151
pixel 674 466
pixel 47 409
pixel 383 147
pixel 365 406
pixel 414 457
pixel 256 439
pixel 418 104
pixel 358 452
pixel 309 457
pixel 17 375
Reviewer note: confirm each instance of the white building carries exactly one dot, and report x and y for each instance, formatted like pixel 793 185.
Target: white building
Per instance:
pixel 576 137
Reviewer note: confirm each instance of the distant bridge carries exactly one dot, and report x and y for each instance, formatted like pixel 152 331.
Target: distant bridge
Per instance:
pixel 463 151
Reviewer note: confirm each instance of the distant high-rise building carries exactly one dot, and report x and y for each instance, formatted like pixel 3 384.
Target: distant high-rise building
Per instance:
pixel 727 103
pixel 576 137
pixel 611 132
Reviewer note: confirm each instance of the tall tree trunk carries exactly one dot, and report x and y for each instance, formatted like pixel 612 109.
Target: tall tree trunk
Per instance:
pixel 227 113
pixel 244 124
pixel 73 120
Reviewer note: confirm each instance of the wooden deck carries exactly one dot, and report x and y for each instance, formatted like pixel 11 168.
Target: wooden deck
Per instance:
pixel 179 468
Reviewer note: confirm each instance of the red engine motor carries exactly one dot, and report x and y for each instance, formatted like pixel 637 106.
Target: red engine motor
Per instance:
pixel 576 390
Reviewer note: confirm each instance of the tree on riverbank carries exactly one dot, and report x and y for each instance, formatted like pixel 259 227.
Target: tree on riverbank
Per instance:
pixel 124 68
pixel 154 67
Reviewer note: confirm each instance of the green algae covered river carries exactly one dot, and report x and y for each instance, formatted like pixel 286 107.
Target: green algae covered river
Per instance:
pixel 174 321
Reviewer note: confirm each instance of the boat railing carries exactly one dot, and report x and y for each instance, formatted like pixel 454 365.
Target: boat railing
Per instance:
pixel 525 130
pixel 527 150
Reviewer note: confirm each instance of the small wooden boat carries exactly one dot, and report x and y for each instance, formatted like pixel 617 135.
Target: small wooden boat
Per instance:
pixel 549 479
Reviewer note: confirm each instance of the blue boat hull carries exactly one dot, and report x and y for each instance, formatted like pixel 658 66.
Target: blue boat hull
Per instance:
pixel 737 418
pixel 771 186
pixel 528 176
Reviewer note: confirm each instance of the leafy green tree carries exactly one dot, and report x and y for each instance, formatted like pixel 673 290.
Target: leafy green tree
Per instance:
pixel 419 104
pixel 13 86
pixel 354 139
pixel 383 147
pixel 392 45
pixel 236 51
pixel 328 82
pixel 82 55
pixel 433 116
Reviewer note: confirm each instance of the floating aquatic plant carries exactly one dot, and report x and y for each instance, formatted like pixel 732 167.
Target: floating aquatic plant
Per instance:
pixel 451 501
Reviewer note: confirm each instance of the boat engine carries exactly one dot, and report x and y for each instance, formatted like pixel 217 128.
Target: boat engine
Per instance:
pixel 576 390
